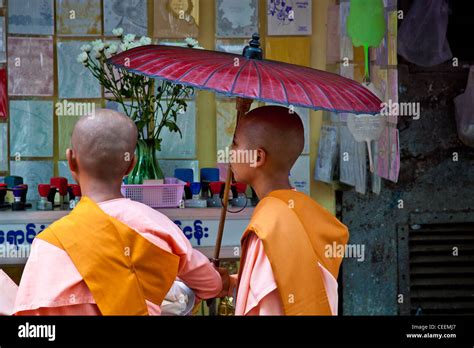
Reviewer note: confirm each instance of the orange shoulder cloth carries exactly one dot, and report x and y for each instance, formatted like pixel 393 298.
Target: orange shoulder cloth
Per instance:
pixel 121 268
pixel 295 232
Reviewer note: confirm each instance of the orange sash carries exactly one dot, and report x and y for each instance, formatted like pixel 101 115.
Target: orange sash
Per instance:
pixel 295 231
pixel 120 267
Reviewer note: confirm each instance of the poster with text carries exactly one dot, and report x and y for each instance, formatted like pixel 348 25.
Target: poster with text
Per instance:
pixel 31 17
pixel 78 17
pixel 30 66
pixel 236 19
pixel 130 15
pixel 291 17
pixel 74 80
pixel 31 128
pixel 33 174
pixel 176 19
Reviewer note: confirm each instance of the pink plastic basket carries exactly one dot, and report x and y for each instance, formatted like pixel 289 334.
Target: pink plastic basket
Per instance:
pixel 167 195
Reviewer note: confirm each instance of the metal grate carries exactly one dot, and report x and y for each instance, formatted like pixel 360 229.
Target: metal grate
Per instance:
pixel 440 282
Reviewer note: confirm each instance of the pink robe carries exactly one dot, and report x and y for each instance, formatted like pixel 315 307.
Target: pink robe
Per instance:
pixel 62 291
pixel 258 293
pixel 7 294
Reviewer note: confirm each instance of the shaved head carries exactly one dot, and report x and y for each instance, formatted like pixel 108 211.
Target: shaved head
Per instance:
pixel 104 144
pixel 278 131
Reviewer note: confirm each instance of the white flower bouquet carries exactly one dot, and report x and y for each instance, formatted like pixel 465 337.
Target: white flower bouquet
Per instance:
pixel 152 109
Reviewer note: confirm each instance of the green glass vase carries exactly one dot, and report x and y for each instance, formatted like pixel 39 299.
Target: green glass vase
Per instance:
pixel 147 167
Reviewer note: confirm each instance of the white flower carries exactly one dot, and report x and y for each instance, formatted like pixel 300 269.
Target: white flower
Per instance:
pixel 129 38
pixel 98 55
pixel 193 43
pixel 96 42
pixel 134 44
pixel 124 46
pixel 118 32
pixel 145 40
pixel 86 48
pixel 112 49
pixel 82 57
pixel 98 45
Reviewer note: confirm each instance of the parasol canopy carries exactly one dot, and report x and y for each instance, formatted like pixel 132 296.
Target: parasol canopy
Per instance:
pixel 239 76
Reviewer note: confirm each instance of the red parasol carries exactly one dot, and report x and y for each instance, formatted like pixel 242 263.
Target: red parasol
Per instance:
pixel 238 76
pixel 249 77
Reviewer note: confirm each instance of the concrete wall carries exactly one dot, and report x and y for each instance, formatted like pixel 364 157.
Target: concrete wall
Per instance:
pixel 430 181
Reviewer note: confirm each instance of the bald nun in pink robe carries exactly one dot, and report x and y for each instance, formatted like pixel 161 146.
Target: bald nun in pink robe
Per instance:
pixel 62 291
pixel 99 159
pixel 258 293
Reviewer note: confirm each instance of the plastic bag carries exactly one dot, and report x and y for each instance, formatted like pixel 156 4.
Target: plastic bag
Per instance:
pixel 464 111
pixel 179 300
pixel 422 35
